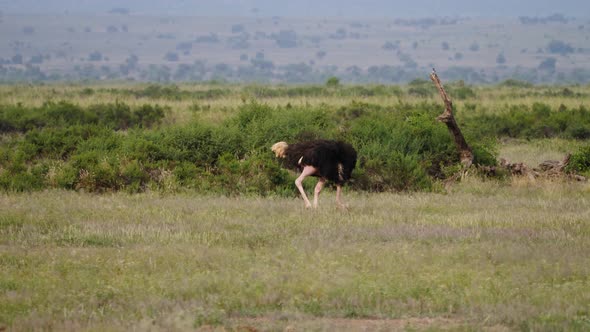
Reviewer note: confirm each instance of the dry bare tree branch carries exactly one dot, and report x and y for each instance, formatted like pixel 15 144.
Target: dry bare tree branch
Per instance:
pixel 466 154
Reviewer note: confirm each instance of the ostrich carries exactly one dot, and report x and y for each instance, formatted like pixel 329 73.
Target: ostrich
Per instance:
pixel 325 159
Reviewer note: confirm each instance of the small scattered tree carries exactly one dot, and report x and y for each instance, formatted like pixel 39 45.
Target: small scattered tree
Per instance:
pixel 36 59
pixel 184 46
pixel 333 82
pixel 238 28
pixel 211 38
pixel 261 64
pixel 286 39
pixel 95 56
pixel 17 59
pixel 28 30
pixel 121 11
pixel 131 63
pixel 390 46
pixel 339 34
pixel 548 64
pixel 559 47
pixel 239 42
pixel 171 56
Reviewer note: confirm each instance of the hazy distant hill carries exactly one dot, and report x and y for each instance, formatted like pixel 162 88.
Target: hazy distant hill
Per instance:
pixel 120 44
pixel 322 8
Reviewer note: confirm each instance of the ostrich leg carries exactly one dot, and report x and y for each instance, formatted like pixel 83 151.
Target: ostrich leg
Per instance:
pixel 307 171
pixel 318 189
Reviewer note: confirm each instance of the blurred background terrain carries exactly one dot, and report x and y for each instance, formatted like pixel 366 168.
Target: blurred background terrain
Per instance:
pixel 294 42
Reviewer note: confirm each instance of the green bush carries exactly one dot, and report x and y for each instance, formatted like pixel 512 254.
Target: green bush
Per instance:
pixel 160 91
pixel 134 177
pixel 578 131
pixel 538 121
pixel 258 174
pixel 484 153
pixel 460 91
pixel 20 177
pixel 580 161
pixel 390 171
pixel 333 82
pixel 22 181
pixel 19 118
pixel 147 116
pixel 511 83
pixel 116 116
pixel 421 88
pixel 67 177
pixel 187 174
pixel 261 125
pixel 409 133
pixel 59 143
pixel 197 143
pixel 97 171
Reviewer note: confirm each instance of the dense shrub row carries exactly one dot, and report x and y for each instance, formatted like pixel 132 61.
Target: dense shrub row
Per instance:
pixel 110 147
pixel 63 114
pixel 400 149
pixel 327 90
pixel 536 121
pixel 418 87
pixel 173 92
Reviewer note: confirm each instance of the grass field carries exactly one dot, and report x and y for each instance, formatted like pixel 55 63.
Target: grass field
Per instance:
pixel 484 256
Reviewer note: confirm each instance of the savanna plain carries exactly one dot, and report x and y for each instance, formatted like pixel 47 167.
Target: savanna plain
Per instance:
pixel 133 237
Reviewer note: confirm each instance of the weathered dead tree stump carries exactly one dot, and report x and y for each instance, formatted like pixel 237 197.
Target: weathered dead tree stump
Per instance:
pixel 447 117
pixel 465 152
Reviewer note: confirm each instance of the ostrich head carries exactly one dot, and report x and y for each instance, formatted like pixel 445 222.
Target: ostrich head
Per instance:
pixel 279 149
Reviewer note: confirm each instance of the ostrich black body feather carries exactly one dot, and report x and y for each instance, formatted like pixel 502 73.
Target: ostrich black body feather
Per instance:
pixel 334 160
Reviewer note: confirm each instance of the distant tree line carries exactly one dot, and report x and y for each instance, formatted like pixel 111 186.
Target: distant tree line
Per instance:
pixel 97 66
pixel 426 22
pixel 259 69
pixel 555 18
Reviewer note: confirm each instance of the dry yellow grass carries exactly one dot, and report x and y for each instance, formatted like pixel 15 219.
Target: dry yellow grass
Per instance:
pixel 534 152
